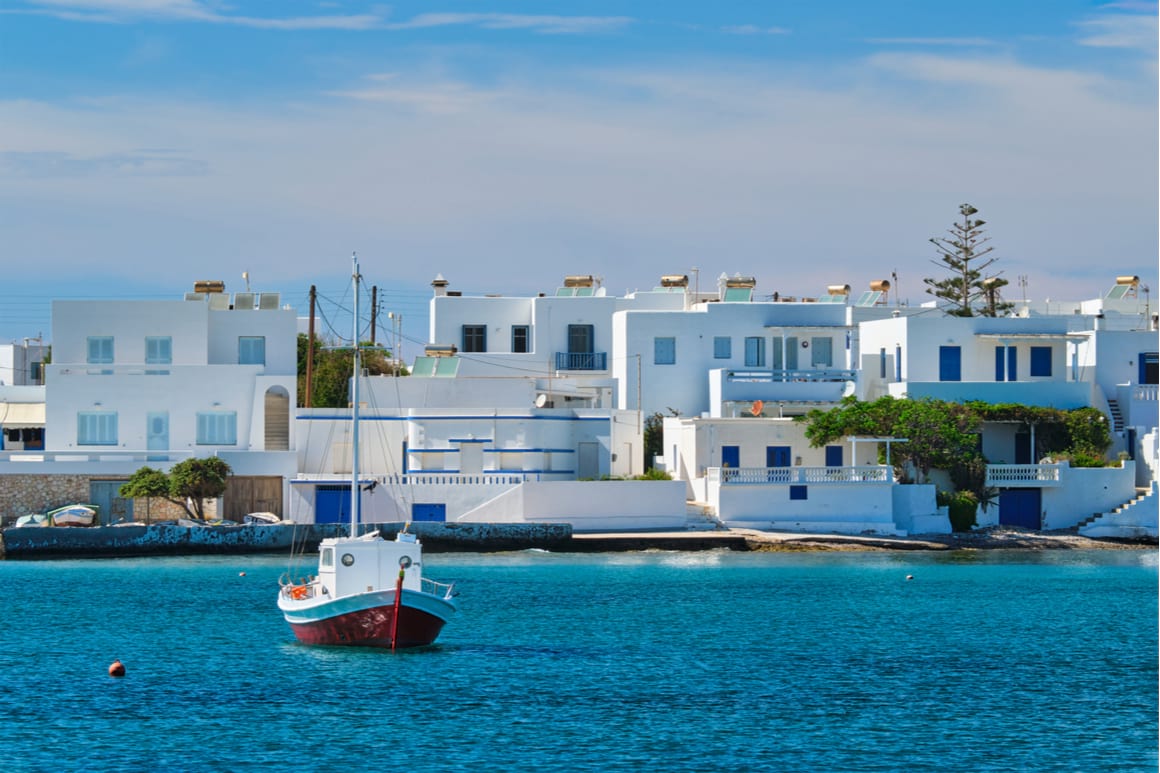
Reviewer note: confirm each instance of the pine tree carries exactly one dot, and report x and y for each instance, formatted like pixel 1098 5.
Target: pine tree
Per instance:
pixel 967 284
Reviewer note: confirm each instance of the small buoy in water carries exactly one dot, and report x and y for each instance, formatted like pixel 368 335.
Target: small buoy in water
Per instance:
pixel 117 668
pixel 910 576
pixel 241 574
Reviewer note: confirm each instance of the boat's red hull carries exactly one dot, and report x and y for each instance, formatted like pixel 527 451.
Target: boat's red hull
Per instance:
pixel 372 628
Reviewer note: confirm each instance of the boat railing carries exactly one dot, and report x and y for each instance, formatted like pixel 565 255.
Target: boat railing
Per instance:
pixel 442 589
pixel 297 589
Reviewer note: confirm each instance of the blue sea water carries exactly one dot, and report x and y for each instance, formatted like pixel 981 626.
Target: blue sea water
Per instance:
pixel 987 661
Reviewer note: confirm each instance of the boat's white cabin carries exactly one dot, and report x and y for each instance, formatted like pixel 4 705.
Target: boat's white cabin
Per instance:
pixel 347 566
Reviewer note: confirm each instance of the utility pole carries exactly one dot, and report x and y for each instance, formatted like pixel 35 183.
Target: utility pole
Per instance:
pixel 374 313
pixel 310 352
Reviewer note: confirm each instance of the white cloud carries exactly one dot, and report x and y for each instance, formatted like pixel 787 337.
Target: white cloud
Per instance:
pixel 936 42
pixel 627 174
pixel 509 21
pixel 119 11
pixel 110 11
pixel 753 29
pixel 1120 31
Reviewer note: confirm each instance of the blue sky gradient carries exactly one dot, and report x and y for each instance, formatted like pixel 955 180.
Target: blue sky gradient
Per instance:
pixel 149 143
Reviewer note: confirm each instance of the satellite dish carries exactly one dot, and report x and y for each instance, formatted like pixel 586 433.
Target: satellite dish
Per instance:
pixel 541 401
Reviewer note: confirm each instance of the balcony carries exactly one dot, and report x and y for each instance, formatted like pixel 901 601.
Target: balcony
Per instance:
pixel 784 476
pixel 1022 475
pixel 581 361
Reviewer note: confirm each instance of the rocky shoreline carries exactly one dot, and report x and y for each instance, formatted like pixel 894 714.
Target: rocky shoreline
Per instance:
pixel 991 538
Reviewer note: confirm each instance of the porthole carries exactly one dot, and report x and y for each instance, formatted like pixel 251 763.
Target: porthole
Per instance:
pixel 347 559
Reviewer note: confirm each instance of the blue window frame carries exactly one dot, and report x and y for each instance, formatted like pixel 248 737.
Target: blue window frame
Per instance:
pixel 1041 361
pixel 798 492
pixel 474 338
pixel 217 428
pixel 882 364
pixel 520 339
pixel 754 352
pixel 100 350
pixel 97 428
pixel 251 350
pixel 158 350
pixel 722 347
pixel 665 351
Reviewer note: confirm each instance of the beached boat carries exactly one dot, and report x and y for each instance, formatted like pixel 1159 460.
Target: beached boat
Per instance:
pixel 32 520
pixel 368 591
pixel 251 519
pixel 73 515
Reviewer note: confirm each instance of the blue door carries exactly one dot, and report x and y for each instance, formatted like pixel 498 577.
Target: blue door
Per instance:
pixel 111 506
pixel 777 456
pixel 833 456
pixel 1022 448
pixel 730 460
pixel 950 363
pixel 428 512
pixel 332 504
pixel 1020 507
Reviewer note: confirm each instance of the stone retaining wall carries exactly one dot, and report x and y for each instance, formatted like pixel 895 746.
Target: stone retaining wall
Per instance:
pixel 24 494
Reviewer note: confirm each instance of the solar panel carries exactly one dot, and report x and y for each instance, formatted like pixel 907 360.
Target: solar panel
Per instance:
pixel 1119 291
pixel 869 298
pixel 565 292
pixel 738 294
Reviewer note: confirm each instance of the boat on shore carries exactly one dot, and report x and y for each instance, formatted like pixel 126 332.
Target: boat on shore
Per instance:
pixel 368 592
pixel 73 515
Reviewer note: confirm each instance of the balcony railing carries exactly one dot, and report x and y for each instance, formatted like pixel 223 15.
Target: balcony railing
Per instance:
pixel 581 360
pixel 772 376
pixel 783 476
pixel 1022 475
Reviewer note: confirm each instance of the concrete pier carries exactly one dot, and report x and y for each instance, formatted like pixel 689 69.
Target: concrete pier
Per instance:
pixel 174 540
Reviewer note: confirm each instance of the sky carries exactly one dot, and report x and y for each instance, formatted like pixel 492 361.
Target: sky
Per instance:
pixel 147 144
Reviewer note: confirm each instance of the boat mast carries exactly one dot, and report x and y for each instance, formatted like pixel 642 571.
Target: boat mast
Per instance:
pixel 355 498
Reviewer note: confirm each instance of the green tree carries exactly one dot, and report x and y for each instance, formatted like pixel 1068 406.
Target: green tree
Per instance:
pixel 332 371
pixel 967 289
pixel 654 437
pixel 188 484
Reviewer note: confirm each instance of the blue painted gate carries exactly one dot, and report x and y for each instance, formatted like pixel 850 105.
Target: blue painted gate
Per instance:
pixel 428 512
pixel 332 504
pixel 1020 507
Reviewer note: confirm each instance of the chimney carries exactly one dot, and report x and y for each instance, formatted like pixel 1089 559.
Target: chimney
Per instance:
pixel 439 284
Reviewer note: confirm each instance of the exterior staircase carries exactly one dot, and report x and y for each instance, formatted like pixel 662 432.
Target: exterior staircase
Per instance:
pixel 700 517
pixel 1135 518
pixel 1117 416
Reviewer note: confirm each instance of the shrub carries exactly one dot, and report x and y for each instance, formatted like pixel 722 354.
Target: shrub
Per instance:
pixel 962 507
pixel 652 473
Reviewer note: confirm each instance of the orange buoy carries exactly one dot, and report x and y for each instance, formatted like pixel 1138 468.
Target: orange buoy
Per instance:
pixel 117 668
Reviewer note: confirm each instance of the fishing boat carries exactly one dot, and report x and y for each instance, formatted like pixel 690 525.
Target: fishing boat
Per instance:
pixel 368 591
pixel 73 515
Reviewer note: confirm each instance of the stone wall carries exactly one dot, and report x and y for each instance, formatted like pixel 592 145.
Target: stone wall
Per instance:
pixel 24 494
pixel 153 509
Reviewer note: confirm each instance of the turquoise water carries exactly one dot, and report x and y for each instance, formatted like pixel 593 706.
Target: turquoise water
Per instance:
pixel 648 661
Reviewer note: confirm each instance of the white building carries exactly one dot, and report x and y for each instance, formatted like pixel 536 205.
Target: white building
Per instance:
pixel 154 382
